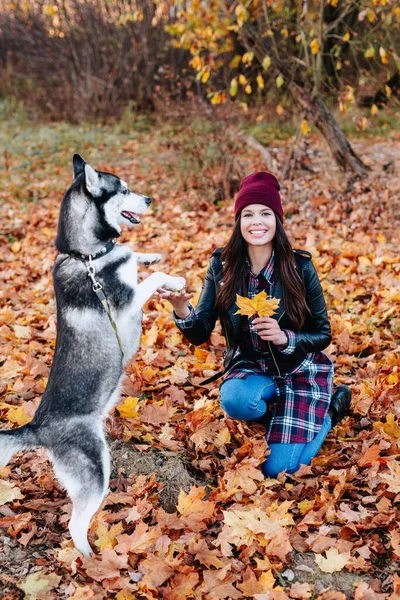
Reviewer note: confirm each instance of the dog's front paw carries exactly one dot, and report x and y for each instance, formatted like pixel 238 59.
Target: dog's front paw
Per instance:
pixel 175 284
pixel 148 259
pixel 151 259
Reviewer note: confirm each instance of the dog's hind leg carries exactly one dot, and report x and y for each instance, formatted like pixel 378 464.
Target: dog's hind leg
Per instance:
pixel 84 471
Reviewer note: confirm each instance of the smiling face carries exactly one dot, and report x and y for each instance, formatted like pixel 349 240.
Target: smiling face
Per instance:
pixel 258 224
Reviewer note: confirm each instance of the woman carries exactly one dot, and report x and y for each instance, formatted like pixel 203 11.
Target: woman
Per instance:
pixel 277 361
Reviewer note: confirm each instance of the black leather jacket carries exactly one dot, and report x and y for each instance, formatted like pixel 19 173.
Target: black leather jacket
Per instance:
pixel 314 336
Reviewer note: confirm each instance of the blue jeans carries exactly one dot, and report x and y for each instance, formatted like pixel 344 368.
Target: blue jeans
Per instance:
pixel 247 399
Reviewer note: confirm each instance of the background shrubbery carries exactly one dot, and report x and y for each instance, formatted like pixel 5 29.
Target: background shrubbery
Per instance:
pixel 73 60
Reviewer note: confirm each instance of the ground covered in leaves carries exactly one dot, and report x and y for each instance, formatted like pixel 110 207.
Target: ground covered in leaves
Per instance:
pixel 189 514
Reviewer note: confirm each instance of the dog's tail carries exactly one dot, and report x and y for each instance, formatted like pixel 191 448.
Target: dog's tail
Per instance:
pixel 13 440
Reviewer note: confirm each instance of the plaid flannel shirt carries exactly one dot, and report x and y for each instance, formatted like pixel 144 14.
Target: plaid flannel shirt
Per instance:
pixel 303 395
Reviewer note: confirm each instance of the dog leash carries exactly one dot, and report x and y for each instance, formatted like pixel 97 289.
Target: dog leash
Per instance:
pixel 98 290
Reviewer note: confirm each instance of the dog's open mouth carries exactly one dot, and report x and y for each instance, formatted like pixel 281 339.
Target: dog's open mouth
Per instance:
pixel 130 216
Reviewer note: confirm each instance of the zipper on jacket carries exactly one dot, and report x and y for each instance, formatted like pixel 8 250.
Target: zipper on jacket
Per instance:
pixel 272 354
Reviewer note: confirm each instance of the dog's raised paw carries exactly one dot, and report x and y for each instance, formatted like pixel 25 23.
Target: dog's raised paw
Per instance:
pixel 148 259
pixel 175 284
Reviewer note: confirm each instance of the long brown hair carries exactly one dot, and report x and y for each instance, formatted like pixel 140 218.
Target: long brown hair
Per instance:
pixel 234 256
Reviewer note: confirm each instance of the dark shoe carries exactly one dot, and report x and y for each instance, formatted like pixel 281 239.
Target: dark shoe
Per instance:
pixel 340 404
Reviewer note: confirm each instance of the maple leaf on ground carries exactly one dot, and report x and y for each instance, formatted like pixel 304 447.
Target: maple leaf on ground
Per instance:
pixel 333 561
pixel 218 585
pixel 204 555
pixel 194 509
pixel 272 595
pixel 16 523
pixel 395 542
pixel 9 492
pixel 140 540
pixel 392 478
pixel 17 415
pixel 157 414
pixel 128 408
pixel 182 586
pixel 280 545
pixel 107 538
pixel 365 592
pixel 300 591
pixel 369 456
pixel 251 585
pixel 37 584
pixel 242 526
pixel 108 567
pixel 156 572
pixel 82 593
pixel 244 477
pixel 259 305
pixel 391 427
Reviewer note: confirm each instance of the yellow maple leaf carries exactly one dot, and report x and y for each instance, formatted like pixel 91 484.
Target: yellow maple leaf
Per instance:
pixel 16 414
pixel 9 492
pixel 391 427
pixel 314 45
pixel 333 562
pixel 259 305
pixel 127 409
pixel 193 506
pixel 107 538
pixel 37 584
pixel 305 505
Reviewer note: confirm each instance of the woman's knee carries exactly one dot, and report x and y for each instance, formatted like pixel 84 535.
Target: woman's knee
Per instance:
pixel 240 402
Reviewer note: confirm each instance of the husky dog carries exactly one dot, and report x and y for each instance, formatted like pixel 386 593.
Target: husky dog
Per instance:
pixel 99 315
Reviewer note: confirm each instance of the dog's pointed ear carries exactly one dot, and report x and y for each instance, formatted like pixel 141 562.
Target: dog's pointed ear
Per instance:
pixel 92 181
pixel 77 165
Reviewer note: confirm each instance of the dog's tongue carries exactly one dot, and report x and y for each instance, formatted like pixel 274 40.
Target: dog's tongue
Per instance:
pixel 130 216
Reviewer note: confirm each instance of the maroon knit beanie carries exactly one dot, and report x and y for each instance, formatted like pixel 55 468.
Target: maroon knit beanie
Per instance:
pixel 259 188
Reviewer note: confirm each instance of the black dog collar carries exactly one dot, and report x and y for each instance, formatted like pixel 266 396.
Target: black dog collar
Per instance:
pixel 102 252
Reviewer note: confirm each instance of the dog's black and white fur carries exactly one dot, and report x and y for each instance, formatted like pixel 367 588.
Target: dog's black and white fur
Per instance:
pixel 87 369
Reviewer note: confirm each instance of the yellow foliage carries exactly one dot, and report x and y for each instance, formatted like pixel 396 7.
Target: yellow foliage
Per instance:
pixel 9 492
pixel 279 81
pixel 314 45
pixel 305 128
pixel 260 81
pixel 370 52
pixel 259 305
pixel 305 505
pixel 235 62
pixel 127 409
pixel 266 63
pixel 384 56
pixel 233 87
pixel 247 57
pixel 333 562
pixel 391 427
pixel 107 538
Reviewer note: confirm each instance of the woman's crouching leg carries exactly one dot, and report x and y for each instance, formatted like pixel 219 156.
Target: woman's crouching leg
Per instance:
pixel 247 399
pixel 290 457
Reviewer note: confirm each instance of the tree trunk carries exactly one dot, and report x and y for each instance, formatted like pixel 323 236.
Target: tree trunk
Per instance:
pixel 323 119
pixel 299 89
